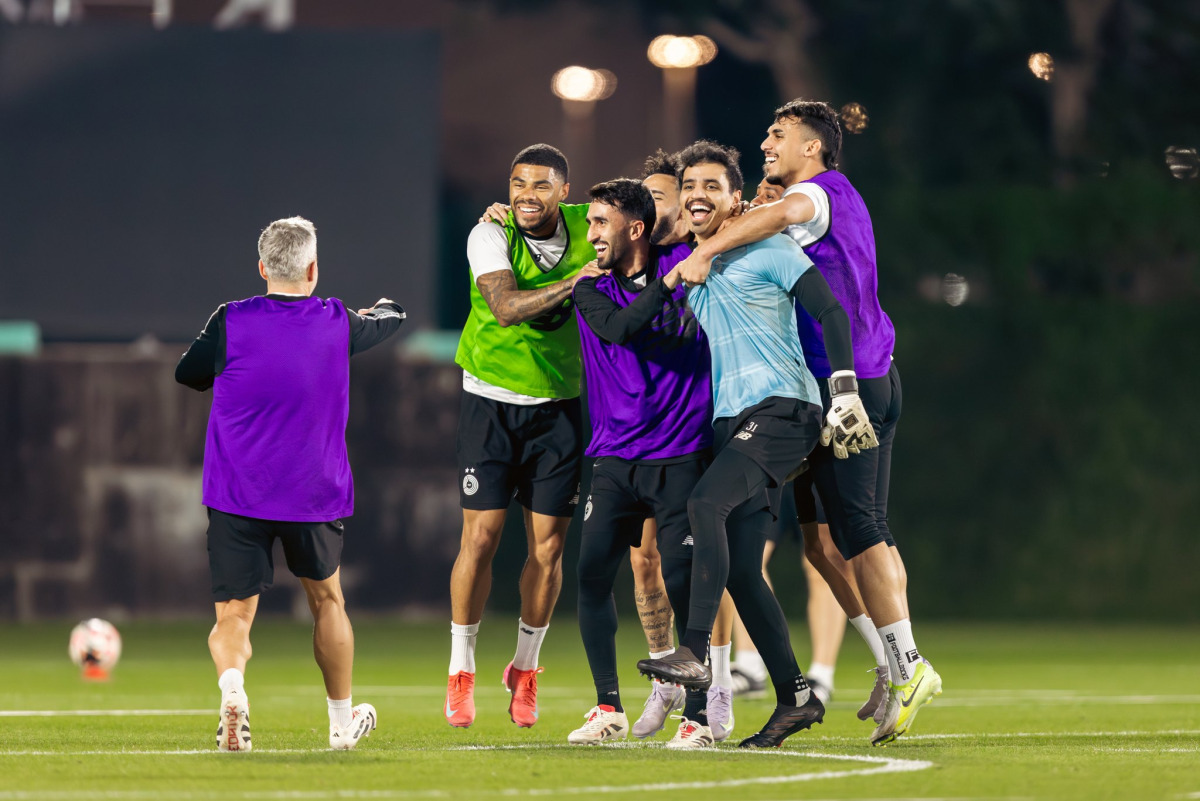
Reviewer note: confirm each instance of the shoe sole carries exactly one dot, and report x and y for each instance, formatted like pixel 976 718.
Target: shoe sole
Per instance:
pixel 887 739
pixel 687 682
pixel 232 722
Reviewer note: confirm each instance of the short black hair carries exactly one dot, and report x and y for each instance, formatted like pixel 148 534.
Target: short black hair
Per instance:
pixel 822 119
pixel 628 196
pixel 706 151
pixel 543 155
pixel 660 162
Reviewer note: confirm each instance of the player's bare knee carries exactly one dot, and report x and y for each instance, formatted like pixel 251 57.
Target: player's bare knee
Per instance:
pixel 547 554
pixel 479 543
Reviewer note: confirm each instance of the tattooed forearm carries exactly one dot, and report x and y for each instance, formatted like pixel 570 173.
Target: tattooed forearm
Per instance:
pixel 655 612
pixel 511 305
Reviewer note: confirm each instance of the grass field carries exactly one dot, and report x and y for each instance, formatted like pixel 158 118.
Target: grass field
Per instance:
pixel 1028 712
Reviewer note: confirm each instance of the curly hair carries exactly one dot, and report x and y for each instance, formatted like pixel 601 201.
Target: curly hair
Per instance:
pixel 822 119
pixel 706 151
pixel 660 162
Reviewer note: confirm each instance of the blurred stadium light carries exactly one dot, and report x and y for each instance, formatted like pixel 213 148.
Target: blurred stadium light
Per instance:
pixel 1042 66
pixel 678 57
pixel 277 15
pixel 1183 162
pixel 580 88
pixel 67 11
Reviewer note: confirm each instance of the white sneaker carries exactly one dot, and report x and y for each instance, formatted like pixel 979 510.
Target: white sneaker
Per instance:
pixel 603 724
pixel 362 723
pixel 690 735
pixel 720 712
pixel 664 699
pixel 233 726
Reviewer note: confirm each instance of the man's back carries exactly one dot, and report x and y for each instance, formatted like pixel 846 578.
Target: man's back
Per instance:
pixel 276 443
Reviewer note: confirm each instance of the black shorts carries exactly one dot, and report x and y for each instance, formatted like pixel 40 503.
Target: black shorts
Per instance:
pixel 532 453
pixel 787 526
pixel 854 491
pixel 240 558
pixel 624 493
pixel 777 434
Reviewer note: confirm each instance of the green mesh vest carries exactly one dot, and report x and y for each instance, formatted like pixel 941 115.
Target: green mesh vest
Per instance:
pixel 539 357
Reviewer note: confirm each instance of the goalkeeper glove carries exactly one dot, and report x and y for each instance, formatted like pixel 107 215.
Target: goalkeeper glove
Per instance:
pixel 846 425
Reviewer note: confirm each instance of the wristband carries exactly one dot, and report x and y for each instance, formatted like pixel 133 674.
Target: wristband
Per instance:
pixel 843 382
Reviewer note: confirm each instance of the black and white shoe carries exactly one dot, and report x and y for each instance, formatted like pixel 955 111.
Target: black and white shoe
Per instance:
pixel 233 725
pixel 681 667
pixel 746 685
pixel 362 722
pixel 786 721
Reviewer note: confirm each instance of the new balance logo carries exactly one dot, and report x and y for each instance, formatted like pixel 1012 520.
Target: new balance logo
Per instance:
pixel 530 632
pixel 743 435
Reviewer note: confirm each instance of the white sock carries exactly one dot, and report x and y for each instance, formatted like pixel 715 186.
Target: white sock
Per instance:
pixel 231 679
pixel 751 663
pixel 901 651
pixel 821 673
pixel 462 647
pixel 529 645
pixel 718 658
pixel 340 712
pixel 866 629
pixel 661 654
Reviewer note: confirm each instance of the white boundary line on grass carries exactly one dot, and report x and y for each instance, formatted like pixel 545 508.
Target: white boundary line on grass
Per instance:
pixel 87 713
pixel 878 765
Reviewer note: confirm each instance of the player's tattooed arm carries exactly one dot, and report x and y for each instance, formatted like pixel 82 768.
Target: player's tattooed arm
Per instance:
pixel 512 306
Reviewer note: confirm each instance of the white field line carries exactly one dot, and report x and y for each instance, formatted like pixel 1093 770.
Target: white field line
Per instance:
pixel 98 713
pixel 878 765
pixel 1017 735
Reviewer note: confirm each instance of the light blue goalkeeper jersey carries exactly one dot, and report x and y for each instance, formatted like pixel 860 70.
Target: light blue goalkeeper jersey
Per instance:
pixel 747 310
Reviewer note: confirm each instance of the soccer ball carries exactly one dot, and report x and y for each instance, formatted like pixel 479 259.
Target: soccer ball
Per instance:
pixel 95 646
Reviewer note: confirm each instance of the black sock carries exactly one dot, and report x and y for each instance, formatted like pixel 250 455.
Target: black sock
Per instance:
pixel 696 641
pixel 786 692
pixel 695 708
pixel 610 698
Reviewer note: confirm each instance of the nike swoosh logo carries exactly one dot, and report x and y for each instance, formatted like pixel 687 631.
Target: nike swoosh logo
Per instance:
pixel 907 702
pixel 450 712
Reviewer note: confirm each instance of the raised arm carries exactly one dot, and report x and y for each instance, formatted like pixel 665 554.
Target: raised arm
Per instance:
pixel 755 225
pixel 618 324
pixel 369 327
pixel 512 306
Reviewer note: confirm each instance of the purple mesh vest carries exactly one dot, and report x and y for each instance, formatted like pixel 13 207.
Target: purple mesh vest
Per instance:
pixel 650 398
pixel 846 257
pixel 276 445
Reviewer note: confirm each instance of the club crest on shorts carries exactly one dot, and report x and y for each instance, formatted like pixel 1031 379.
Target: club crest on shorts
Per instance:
pixel 587 509
pixel 470 484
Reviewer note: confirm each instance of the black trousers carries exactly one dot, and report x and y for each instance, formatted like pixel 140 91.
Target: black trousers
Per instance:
pixel 623 494
pixel 732 510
